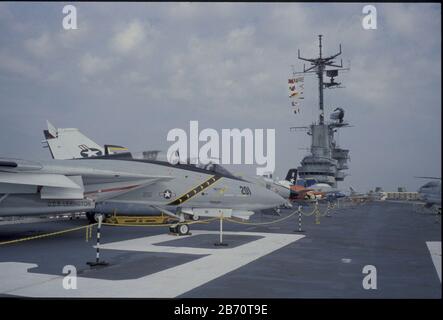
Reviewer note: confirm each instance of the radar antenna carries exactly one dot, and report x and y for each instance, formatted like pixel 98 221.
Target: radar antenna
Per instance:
pixel 320 66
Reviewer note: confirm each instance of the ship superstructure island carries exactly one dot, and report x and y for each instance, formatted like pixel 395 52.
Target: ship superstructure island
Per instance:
pixel 326 161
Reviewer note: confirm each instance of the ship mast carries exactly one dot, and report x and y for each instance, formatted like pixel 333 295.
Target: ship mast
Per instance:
pixel 319 66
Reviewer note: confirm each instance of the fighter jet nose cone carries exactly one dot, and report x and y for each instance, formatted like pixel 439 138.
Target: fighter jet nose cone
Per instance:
pixel 276 199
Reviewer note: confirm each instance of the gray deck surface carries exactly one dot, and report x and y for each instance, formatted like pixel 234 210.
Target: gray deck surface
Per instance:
pixel 326 263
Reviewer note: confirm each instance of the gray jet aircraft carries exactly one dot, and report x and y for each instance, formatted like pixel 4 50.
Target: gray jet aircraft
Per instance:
pixel 70 143
pixel 135 183
pixel 430 192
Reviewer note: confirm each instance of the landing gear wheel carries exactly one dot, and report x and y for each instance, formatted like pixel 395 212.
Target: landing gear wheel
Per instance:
pixel 182 229
pixel 91 217
pixel 173 229
pixel 195 217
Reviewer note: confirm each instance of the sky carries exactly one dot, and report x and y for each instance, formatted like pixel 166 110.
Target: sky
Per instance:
pixel 132 72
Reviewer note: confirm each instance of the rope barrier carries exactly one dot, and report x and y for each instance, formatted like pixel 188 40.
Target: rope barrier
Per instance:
pixel 262 223
pixel 47 234
pixel 325 212
pixel 158 225
pixel 312 212
pixel 88 232
pixel 88 228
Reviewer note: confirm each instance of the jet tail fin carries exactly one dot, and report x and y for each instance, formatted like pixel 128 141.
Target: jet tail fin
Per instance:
pixel 291 176
pixel 70 143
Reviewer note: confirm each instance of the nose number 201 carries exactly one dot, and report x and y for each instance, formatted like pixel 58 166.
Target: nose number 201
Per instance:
pixel 245 190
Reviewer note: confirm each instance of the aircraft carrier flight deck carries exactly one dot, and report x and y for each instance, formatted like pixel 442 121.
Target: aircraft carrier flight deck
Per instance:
pixel 330 258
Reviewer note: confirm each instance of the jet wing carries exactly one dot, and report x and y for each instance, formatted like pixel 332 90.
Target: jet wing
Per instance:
pixel 21 176
pixel 38 179
pixel 50 186
pixel 14 165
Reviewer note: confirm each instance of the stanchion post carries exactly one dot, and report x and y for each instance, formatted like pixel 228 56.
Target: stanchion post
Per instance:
pixel 317 214
pixel 221 228
pixel 97 256
pixel 327 210
pixel 221 233
pixel 299 220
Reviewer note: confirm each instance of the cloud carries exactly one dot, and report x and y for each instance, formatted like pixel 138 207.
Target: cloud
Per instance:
pixel 71 39
pixel 189 12
pixel 410 20
pixel 18 66
pixel 130 38
pixel 91 65
pixel 40 46
pixel 155 66
pixel 240 40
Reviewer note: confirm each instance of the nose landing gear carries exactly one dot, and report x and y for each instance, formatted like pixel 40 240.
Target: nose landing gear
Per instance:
pixel 93 217
pixel 180 229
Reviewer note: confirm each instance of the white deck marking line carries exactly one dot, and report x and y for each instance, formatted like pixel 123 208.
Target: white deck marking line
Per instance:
pixel 168 283
pixel 434 248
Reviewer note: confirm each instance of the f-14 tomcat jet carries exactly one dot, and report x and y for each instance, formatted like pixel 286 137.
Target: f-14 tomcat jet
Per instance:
pixel 70 143
pixel 128 182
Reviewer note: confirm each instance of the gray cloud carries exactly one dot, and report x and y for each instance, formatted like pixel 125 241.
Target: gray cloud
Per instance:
pixel 132 72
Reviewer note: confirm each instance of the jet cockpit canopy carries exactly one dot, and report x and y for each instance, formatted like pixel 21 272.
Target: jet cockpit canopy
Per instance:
pixel 155 155
pixel 162 156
